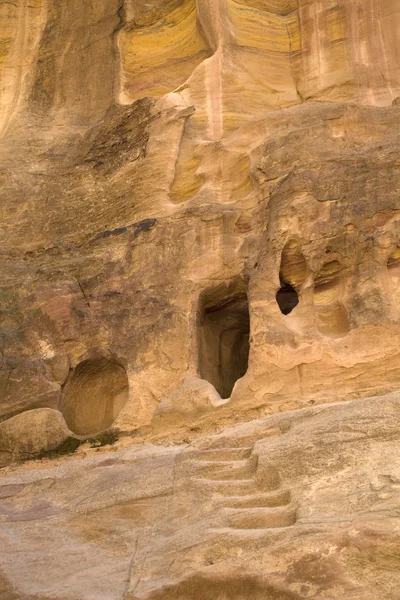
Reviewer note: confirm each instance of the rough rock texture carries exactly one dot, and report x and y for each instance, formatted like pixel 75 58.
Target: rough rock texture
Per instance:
pixel 199 227
pixel 32 432
pixel 299 505
pixel 128 232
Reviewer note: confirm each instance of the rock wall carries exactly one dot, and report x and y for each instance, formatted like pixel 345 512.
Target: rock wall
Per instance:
pixel 199 226
pixel 145 164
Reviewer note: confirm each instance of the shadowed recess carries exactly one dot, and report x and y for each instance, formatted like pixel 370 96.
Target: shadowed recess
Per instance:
pixel 94 395
pixel 292 275
pixel 224 337
pixel 287 298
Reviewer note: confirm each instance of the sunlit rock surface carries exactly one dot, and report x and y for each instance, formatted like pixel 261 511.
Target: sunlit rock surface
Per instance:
pixel 199 235
pixel 293 506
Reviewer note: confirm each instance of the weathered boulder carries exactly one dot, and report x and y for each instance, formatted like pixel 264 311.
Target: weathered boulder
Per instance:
pixel 31 433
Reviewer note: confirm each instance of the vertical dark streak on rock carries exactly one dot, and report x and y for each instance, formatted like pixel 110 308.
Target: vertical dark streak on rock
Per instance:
pixel 83 293
pixel 121 12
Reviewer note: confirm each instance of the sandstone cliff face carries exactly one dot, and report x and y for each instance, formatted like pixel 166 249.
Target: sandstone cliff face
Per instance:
pixel 199 226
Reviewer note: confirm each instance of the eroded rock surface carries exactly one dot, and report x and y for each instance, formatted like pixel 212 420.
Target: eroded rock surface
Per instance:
pixel 299 505
pixel 126 223
pixel 199 228
pixel 31 433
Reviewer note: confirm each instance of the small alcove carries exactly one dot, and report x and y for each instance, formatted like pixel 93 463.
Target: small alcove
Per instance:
pixel 292 275
pixel 287 298
pixel 93 396
pixel 224 330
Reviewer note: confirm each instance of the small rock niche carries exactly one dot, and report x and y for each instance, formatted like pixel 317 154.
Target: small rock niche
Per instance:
pixel 287 298
pixel 292 275
pixel 224 331
pixel 93 396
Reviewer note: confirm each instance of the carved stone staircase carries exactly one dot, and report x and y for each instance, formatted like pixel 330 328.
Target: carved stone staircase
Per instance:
pixel 243 501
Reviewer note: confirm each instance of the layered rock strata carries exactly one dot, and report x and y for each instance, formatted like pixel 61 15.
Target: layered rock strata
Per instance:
pixel 199 227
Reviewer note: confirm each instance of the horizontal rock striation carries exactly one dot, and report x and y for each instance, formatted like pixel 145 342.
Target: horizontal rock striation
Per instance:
pixel 199 230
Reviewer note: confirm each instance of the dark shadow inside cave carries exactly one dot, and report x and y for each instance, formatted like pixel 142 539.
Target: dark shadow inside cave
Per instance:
pixel 292 276
pixel 287 298
pixel 224 337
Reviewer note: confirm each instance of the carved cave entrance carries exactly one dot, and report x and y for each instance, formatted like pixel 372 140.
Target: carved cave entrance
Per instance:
pixel 224 337
pixel 94 395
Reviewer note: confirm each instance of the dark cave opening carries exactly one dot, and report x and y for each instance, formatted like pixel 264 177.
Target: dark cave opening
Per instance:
pixel 287 298
pixel 224 338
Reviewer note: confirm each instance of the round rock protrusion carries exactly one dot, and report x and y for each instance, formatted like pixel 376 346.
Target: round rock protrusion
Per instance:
pixel 31 433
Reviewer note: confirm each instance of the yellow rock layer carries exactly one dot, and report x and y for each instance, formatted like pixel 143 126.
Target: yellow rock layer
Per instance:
pixel 21 24
pixel 158 58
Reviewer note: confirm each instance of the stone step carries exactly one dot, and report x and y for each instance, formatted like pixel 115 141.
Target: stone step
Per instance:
pixel 226 470
pixel 258 500
pixel 240 439
pixel 259 518
pixel 219 454
pixel 226 487
pixel 243 537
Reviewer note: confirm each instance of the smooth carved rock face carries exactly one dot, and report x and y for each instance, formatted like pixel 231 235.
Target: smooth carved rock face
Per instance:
pixel 94 395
